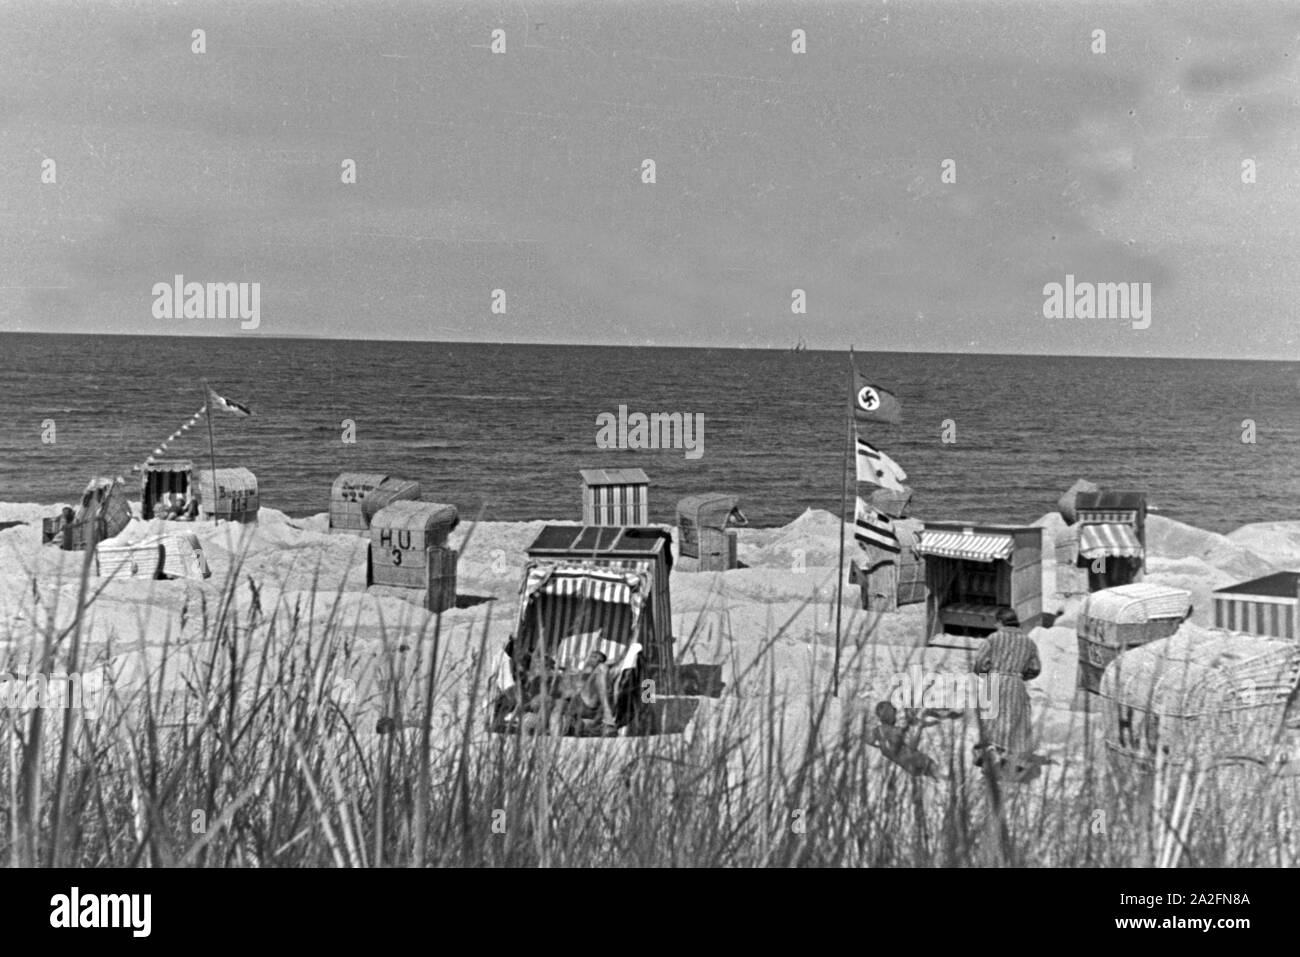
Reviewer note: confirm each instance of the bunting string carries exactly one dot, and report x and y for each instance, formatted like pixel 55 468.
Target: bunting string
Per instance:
pixel 162 446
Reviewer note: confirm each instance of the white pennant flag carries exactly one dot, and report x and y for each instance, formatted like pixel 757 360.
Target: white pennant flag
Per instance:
pixel 227 405
pixel 876 467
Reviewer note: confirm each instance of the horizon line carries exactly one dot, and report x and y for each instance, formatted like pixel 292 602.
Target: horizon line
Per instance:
pixel 305 337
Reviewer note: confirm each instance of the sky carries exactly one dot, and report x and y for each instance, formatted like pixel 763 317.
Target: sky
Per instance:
pixel 774 171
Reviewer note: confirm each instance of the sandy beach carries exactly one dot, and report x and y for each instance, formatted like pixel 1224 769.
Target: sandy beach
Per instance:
pixel 776 612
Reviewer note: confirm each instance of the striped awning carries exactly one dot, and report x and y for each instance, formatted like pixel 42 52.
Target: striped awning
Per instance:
pixel 1103 541
pixel 611 586
pixel 571 628
pixel 580 608
pixel 973 546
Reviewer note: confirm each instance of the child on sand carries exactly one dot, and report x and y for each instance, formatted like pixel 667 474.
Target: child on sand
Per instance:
pixel 900 747
pixel 65 529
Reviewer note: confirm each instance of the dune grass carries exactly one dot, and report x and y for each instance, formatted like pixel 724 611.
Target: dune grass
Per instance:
pixel 252 744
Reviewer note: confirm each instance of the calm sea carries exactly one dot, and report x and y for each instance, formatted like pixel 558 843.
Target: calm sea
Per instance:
pixel 507 427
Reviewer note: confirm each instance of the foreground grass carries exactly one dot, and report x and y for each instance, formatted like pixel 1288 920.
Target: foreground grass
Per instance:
pixel 251 744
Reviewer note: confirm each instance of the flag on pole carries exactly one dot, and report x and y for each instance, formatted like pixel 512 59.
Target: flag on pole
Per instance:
pixel 227 405
pixel 871 403
pixel 871 529
pixel 876 467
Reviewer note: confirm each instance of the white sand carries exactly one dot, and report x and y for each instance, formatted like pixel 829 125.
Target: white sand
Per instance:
pixel 789 585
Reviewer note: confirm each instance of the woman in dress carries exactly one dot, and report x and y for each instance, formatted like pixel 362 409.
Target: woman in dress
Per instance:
pixel 1009 658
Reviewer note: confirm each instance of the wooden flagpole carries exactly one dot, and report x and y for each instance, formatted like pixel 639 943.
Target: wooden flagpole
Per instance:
pixel 844 504
pixel 212 453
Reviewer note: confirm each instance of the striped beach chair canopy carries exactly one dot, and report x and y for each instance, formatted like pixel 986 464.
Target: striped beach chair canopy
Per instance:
pixel 1108 540
pixel 573 609
pixel 584 581
pixel 970 546
pixel 184 466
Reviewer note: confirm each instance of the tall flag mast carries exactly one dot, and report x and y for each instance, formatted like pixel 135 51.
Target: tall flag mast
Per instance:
pixel 871 528
pixel 844 505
